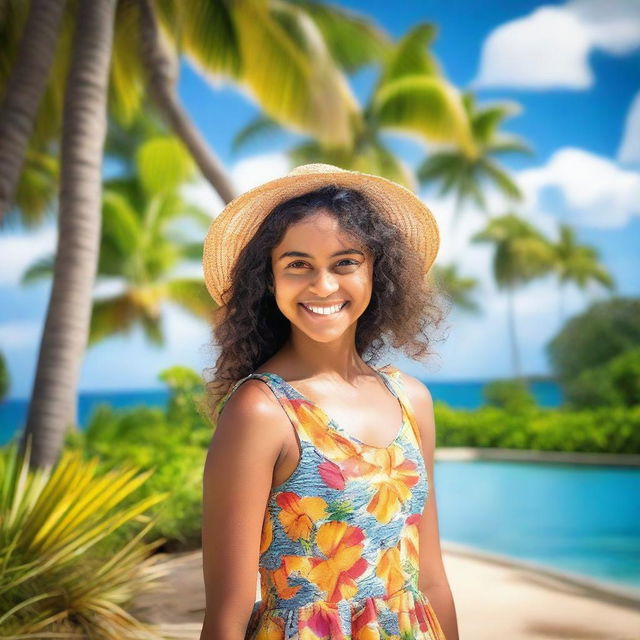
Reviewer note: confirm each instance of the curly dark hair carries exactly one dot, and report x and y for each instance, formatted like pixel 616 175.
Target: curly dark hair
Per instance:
pixel 404 310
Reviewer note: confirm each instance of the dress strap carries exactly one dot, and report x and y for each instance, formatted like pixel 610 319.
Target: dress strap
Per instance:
pixel 392 374
pixel 279 391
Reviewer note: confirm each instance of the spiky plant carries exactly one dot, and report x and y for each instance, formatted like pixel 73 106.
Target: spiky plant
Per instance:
pixel 60 575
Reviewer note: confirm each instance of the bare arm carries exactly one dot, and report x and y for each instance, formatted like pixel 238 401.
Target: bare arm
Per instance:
pixel 236 483
pixel 432 576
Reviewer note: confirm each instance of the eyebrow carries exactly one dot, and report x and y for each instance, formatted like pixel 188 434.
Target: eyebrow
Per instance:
pixel 301 254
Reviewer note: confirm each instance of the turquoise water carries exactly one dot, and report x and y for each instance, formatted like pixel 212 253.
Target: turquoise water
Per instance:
pixel 462 395
pixel 570 517
pixel 583 519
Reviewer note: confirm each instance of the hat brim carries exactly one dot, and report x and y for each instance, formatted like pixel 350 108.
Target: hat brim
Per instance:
pixel 232 229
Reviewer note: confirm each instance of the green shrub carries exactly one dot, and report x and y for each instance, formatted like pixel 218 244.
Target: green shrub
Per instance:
pixel 625 375
pixel 596 336
pixel 615 383
pixel 172 443
pixel 592 388
pixel 606 430
pixel 513 395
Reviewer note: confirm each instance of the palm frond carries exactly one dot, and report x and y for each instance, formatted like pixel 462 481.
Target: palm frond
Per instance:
pixel 426 106
pixel 410 57
pixel 353 40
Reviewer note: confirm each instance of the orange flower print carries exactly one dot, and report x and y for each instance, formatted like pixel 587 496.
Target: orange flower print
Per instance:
pixel 288 565
pixel 342 547
pixel 298 515
pixel 313 423
pixel 392 483
pixel 389 570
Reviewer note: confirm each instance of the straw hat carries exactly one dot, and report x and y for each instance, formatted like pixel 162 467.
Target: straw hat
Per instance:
pixel 235 226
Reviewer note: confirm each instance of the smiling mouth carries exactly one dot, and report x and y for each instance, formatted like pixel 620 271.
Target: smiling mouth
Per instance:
pixel 321 315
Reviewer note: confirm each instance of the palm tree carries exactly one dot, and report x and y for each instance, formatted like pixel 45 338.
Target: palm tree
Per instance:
pixel 266 45
pixel 577 263
pixel 466 176
pixel 410 97
pixel 276 50
pixel 521 254
pixel 139 247
pixel 53 397
pixel 456 287
pixel 24 87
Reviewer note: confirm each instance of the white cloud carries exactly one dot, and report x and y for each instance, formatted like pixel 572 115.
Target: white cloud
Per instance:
pixel 255 170
pixel 630 146
pixel 597 192
pixel 20 250
pixel 613 25
pixel 550 47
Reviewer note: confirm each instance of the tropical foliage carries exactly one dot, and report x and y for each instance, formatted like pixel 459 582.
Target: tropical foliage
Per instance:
pixel 140 245
pixel 172 441
pixel 106 53
pixel 603 430
pixel 577 264
pixel 467 176
pixel 594 337
pixel 521 254
pixel 512 395
pixel 56 529
pixel 411 96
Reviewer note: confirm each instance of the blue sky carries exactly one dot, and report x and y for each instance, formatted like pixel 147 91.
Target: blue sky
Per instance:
pixel 574 67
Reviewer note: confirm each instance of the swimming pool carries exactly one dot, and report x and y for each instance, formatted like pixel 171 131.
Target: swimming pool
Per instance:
pixel 577 518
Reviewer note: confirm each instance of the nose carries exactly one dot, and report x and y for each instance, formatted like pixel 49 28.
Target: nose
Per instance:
pixel 325 284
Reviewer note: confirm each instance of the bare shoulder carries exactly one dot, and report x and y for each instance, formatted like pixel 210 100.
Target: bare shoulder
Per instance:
pixel 252 413
pixel 418 392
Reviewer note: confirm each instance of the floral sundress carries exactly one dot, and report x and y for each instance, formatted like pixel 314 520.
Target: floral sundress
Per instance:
pixel 339 543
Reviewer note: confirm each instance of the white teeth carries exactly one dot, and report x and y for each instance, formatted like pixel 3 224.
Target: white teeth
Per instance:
pixel 325 310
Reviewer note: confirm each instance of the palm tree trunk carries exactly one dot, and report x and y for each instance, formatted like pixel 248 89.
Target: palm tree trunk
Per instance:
pixel 513 338
pixel 161 69
pixel 53 398
pixel 25 87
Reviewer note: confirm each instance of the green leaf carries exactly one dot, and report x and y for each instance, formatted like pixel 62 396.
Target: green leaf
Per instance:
pixel 426 106
pixel 410 57
pixel 163 164
pixel 353 40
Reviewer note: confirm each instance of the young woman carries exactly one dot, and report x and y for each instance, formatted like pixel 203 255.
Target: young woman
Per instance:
pixel 320 471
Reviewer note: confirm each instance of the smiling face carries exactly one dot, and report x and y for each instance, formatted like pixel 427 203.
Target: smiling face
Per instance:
pixel 319 266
